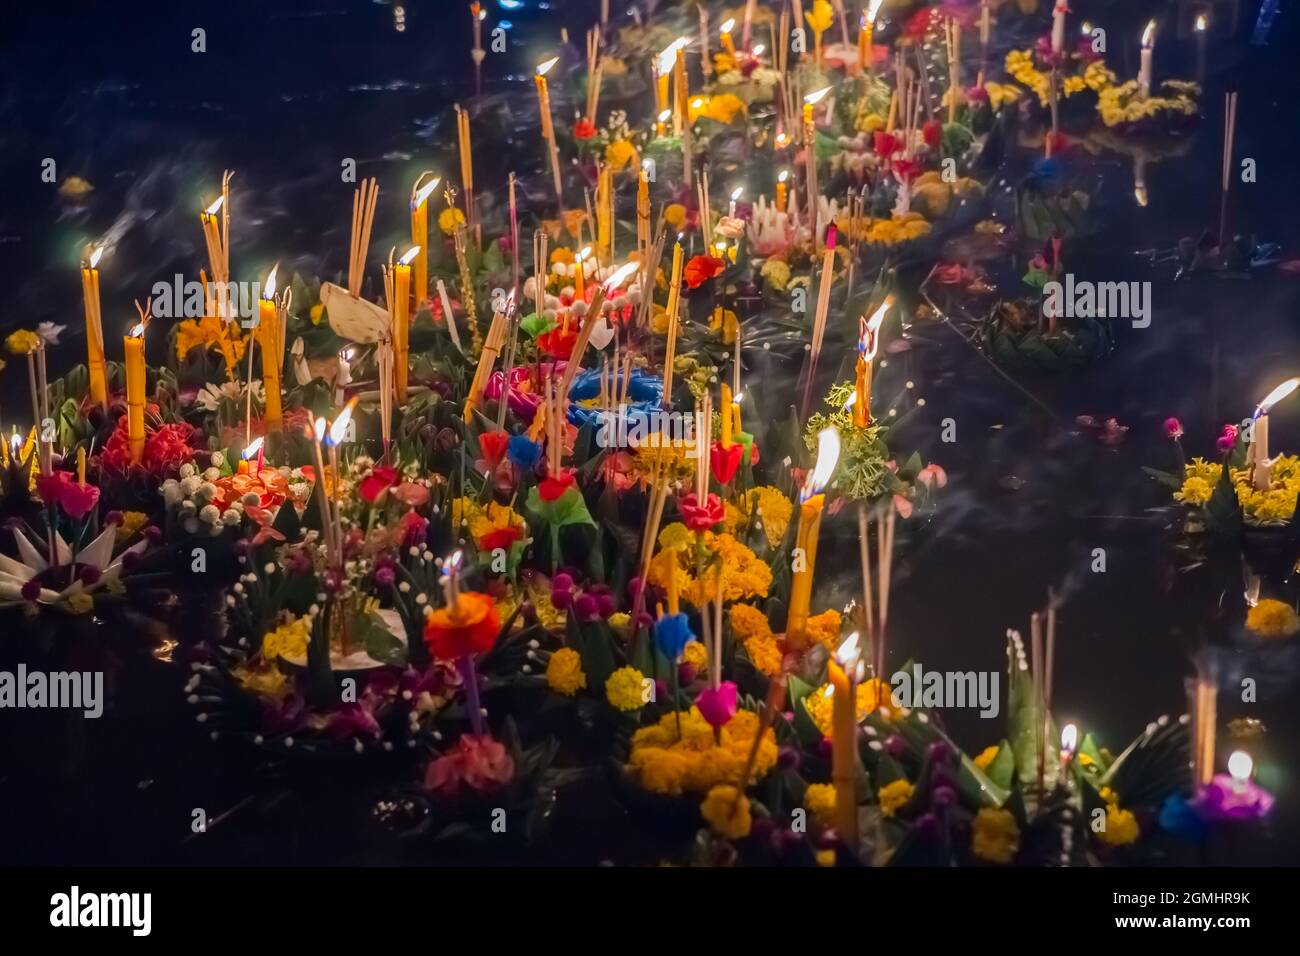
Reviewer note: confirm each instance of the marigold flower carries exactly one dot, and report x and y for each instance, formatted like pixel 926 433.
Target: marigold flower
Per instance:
pixel 625 689
pixel 894 796
pixel 564 673
pixel 727 809
pixel 995 837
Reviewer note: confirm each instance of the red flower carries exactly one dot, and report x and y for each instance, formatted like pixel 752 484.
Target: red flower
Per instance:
pixel 166 449
pixel 700 517
pixel 1057 143
pixel 494 446
pixel 377 482
pixel 480 763
pixel 700 270
pixel 469 627
pixel 932 131
pixel 559 342
pixel 885 144
pixel 906 170
pixel 501 538
pixel 584 129
pixel 917 25
pixel 58 488
pixel 724 462
pixel 553 488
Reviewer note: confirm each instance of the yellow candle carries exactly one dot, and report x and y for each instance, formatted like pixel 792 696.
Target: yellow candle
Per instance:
pixel 643 210
pixel 674 598
pixel 725 36
pixel 604 214
pixel 674 292
pixel 844 729
pixel 133 347
pixel 269 339
pixel 810 517
pixel 726 410
pixel 735 416
pixel 401 322
pixel 781 190
pixel 81 465
pixel 420 234
pixel 868 345
pixel 95 364
pixel 862 393
pixel 866 32
pixel 681 92
pixel 579 278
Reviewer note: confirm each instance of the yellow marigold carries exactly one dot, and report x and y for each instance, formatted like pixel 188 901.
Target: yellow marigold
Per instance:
pixel 263 681
pixel 564 672
pixel 450 219
pixel 618 622
pixel 1272 619
pixel 724 108
pixel 871 123
pixel 777 273
pixel 1121 827
pixel 734 570
pixel 675 215
pixel 676 537
pixel 724 321
pixel 819 800
pixel 695 654
pixel 1000 93
pixel 703 759
pixel 986 757
pixel 727 811
pixel 287 640
pixel 620 153
pixel 870 698
pixel 464 512
pixel 23 342
pixel 625 689
pixel 824 628
pixel 132 521
pixel 994 835
pixel 1195 491
pixel 893 796
pixel 315 313
pixel 748 621
pixel 660 770
pixel 765 653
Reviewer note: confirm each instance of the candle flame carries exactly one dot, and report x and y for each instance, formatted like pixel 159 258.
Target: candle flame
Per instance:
pixel 668 55
pixel 737 193
pixel 1069 738
pixel 873 10
pixel 544 68
pixel 1085 28
pixel 759 49
pixel 869 339
pixel 16 442
pixel 1140 194
pixel 420 195
pixel 95 254
pixel 253 448
pixel 1275 396
pixel 1240 766
pixel 137 331
pixel 727 25
pixel 665 116
pixel 340 426
pixel 583 253
pixel 1149 36
pixel 812 99
pixel 1202 23
pixel 620 276
pixel 409 257
pixel 848 651
pixel 785 174
pixel 828 456
pixel 215 207
pixel 320 426
pixel 269 291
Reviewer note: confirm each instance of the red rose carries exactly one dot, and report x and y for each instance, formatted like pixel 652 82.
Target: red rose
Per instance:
pixel 584 129
pixel 700 517
pixel 377 482
pixel 700 270
pixel 724 462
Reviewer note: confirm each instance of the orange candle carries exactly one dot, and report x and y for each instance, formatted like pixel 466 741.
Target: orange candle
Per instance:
pixel 844 731
pixel 133 347
pixel 401 322
pixel 420 233
pixel 270 339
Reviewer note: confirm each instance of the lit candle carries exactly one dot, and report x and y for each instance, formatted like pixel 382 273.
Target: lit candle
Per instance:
pixel 604 213
pixel 1259 431
pixel 661 124
pixel 256 449
pixel 1069 742
pixel 844 739
pixel 94 328
pixel 401 322
pixel 811 503
pixel 270 340
pixel 726 413
pixel 868 345
pixel 548 126
pixel 338 433
pixel 866 30
pixel 327 522
pixel 1148 49
pixel 810 159
pixel 735 197
pixel 724 34
pixel 1240 767
pixel 579 279
pixel 133 347
pixel 1201 26
pixel 420 232
pixel 781 190
pixel 1058 25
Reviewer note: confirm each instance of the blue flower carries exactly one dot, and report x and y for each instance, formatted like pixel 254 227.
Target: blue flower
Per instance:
pixel 672 633
pixel 1178 817
pixel 523 451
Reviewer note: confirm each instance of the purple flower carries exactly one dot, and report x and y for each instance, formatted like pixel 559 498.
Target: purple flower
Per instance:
pixel 1173 428
pixel 717 705
pixel 385 577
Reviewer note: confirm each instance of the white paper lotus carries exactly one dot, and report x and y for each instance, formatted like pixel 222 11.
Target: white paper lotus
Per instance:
pixel 97 554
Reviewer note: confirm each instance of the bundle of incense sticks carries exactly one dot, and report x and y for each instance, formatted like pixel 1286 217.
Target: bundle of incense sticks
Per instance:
pixel 1229 134
pixel 553 409
pixel 466 167
pixel 364 199
pixel 595 68
pixel 540 241
pixel 512 347
pixel 487 358
pixel 952 40
pixel 674 307
pixel 1041 666
pixel 706 209
pixel 649 268
pixel 384 360
pixel 876 610
pixel 1202 704
pixel 216 235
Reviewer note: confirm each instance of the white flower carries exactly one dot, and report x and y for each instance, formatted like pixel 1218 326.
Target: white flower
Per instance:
pixel 231 517
pixel 189 483
pixel 218 459
pixel 210 514
pixel 211 396
pixel 50 332
pixel 188 470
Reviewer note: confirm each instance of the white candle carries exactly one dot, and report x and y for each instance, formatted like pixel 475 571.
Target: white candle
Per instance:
pixel 1148 48
pixel 1058 25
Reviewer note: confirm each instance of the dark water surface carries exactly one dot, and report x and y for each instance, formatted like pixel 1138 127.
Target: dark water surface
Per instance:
pixel 287 90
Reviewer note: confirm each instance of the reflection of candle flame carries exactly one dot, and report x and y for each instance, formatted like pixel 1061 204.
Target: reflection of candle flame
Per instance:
pixel 269 291
pixel 1069 738
pixel 828 456
pixel 339 428
pixel 1275 396
pixel 812 99
pixel 544 68
pixel 253 448
pixel 1149 36
pixel 407 259
pixel 1240 766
